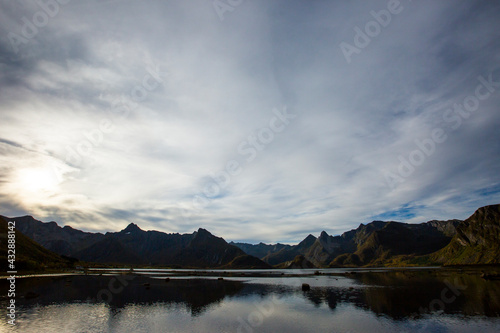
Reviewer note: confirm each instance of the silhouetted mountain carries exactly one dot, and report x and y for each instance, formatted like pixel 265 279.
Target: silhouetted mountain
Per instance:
pixel 62 240
pixel 206 250
pixel 135 246
pixel 131 228
pixel 29 255
pixel 477 240
pixel 109 250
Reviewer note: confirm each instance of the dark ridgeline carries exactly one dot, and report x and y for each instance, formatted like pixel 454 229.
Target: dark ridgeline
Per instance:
pixel 134 246
pixel 369 244
pixel 473 241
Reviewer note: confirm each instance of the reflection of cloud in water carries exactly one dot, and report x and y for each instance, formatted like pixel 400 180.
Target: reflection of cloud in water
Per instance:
pixel 294 314
pixel 364 302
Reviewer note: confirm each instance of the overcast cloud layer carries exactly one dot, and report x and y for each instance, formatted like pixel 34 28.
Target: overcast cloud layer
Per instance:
pixel 262 121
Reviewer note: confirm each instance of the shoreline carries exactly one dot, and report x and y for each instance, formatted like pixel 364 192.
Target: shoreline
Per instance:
pixel 275 272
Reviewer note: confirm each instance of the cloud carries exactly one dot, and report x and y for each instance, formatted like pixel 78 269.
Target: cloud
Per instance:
pixel 130 110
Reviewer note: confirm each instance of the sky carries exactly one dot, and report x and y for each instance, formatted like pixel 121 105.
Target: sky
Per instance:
pixel 256 120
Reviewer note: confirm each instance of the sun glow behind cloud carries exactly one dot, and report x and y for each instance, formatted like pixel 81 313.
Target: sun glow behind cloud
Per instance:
pixel 36 180
pixel 156 98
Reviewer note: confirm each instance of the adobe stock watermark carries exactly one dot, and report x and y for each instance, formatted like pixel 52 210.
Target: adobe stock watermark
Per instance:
pixel 372 28
pixel 30 27
pixel 263 310
pixel 249 149
pixel 448 295
pixel 224 6
pixel 453 116
pixel 115 286
pixel 266 307
pixel 121 108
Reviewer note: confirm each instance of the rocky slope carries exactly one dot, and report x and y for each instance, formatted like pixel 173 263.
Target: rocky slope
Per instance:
pixel 299 262
pixel 394 238
pixel 370 244
pixel 289 253
pixel 477 240
pixel 30 256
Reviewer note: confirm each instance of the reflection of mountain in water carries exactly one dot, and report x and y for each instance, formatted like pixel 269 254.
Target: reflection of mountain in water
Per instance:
pixel 415 293
pixel 412 294
pixel 404 294
pixel 195 294
pixel 399 295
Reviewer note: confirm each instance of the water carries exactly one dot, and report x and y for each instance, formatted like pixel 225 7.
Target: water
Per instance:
pixel 258 301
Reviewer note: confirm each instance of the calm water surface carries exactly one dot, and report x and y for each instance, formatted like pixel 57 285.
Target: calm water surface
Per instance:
pixel 257 301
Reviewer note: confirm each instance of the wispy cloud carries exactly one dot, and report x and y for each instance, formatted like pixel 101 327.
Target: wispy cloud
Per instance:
pixel 155 98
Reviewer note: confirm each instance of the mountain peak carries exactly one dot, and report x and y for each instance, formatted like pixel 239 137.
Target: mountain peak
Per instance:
pixel 475 241
pixel 308 241
pixel 202 233
pixel 323 235
pixel 132 227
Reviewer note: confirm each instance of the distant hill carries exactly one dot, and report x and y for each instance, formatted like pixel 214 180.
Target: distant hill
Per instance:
pixel 134 246
pixel 477 240
pixel 299 262
pixel 289 253
pixel 246 261
pixel 260 250
pixel 30 256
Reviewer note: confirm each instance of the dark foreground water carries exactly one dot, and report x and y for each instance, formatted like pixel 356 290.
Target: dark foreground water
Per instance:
pixel 246 301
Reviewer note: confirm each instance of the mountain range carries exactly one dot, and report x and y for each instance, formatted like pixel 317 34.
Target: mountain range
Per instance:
pixel 378 243
pixel 370 244
pixel 134 246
